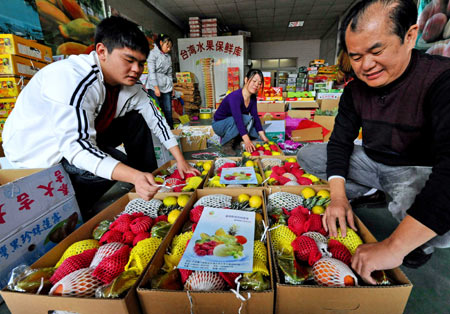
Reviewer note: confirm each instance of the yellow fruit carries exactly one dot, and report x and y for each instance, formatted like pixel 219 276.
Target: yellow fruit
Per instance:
pixel 267 173
pixel 206 166
pixel 249 163
pixel 266 145
pixel 258 217
pixel 246 154
pixel 271 143
pixel 323 194
pixel 183 199
pixel 272 181
pixel 159 180
pixel 258 145
pixel 173 215
pixel 313 178
pixel 319 210
pixel 170 201
pixel 243 198
pixel 291 159
pixel 255 201
pixel 215 178
pixel 308 192
pixel 274 153
pixel 204 172
pixel 199 163
pixel 259 178
pixel 194 182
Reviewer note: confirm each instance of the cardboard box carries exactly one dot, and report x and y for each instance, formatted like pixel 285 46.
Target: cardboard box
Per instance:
pixel 327 122
pixel 15 65
pixel 362 299
pixel 37 210
pixel 12 44
pixel 302 104
pixel 329 104
pixel 301 113
pixel 11 86
pixel 6 106
pixel 329 95
pixel 267 116
pixel 194 138
pixel 169 301
pixel 271 106
pixel 309 134
pixel 275 130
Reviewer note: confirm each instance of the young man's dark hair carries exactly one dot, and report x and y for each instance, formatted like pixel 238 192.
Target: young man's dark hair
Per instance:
pixel 403 14
pixel 118 32
pixel 164 38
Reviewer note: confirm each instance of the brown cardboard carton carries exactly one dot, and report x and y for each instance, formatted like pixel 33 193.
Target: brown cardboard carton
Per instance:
pixel 176 302
pixel 11 86
pixel 361 299
pixel 329 104
pixel 15 65
pixel 309 134
pixel 303 104
pixel 12 44
pixel 196 141
pixel 43 304
pixel 327 122
pixel 300 113
pixel 271 106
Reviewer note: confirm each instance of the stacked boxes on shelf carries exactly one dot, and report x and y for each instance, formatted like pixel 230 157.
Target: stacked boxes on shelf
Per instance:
pixel 233 79
pixel 20 59
pixel 208 81
pixel 209 27
pixel 190 92
pixel 292 82
pixel 194 27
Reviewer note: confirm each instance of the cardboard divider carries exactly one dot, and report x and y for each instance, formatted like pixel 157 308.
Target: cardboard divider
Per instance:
pixel 23 302
pixel 213 169
pixel 361 299
pixel 172 162
pixel 170 301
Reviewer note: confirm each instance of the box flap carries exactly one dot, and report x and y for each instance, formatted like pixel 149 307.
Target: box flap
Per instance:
pixel 310 134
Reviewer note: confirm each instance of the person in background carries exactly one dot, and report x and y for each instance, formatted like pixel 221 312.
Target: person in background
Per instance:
pixel 237 118
pixel 160 82
pixel 401 99
pixel 78 110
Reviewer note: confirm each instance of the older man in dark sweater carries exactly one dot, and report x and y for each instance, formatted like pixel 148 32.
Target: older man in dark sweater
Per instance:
pixel 401 99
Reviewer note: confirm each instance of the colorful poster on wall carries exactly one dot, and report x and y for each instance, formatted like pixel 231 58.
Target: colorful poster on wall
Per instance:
pixel 434 27
pixel 20 17
pixel 69 25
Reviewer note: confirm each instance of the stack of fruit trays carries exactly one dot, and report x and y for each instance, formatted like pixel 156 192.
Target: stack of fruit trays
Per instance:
pixel 172 278
pixel 233 162
pixel 263 149
pixel 303 250
pixel 285 171
pixel 108 264
pixel 169 176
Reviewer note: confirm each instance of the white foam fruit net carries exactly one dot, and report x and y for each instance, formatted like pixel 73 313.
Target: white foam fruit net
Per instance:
pixel 105 251
pixel 204 281
pixel 284 200
pixel 148 208
pixel 270 162
pixel 215 201
pixel 80 283
pixel 316 236
pixel 331 272
pixel 222 161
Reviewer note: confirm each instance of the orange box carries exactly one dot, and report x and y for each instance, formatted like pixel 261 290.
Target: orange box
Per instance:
pixel 15 65
pixel 15 45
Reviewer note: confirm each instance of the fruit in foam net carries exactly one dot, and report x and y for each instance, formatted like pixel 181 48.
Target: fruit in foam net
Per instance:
pixel 247 154
pixel 276 153
pixel 207 166
pixel 255 201
pixel 204 172
pixel 249 163
pixel 159 180
pixel 199 163
pixel 291 159
pixel 259 178
pixel 170 201
pixel 308 192
pixel 267 173
pixel 173 215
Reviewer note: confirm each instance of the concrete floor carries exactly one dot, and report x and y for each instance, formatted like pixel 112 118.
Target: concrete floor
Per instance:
pixel 431 291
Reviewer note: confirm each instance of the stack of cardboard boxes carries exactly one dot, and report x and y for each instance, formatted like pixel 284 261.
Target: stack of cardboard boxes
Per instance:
pixel 209 27
pixel 233 79
pixel 20 59
pixel 194 27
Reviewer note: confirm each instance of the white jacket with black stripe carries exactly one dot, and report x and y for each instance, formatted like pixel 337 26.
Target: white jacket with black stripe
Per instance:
pixel 54 117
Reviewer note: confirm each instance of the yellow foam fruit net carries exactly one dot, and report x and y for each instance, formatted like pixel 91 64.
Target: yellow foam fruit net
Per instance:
pixel 142 253
pixel 282 238
pixel 260 258
pixel 178 247
pixel 351 240
pixel 77 248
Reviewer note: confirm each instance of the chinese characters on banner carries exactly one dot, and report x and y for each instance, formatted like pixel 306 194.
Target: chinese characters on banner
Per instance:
pixel 226 51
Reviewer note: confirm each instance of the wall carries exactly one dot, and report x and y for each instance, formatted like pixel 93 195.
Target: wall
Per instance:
pixel 303 50
pixel 328 45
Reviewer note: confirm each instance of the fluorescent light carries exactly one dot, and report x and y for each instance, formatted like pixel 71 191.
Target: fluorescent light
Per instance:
pixel 296 24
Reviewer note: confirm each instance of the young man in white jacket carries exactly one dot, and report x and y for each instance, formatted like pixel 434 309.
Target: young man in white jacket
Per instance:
pixel 76 111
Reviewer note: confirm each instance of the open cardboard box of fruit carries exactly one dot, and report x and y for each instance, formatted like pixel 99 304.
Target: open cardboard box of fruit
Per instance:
pixel 79 292
pixel 213 178
pixel 316 282
pixel 263 149
pixel 172 297
pixel 168 175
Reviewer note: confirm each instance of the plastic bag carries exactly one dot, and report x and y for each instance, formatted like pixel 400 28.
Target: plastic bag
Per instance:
pixel 100 230
pixel 26 279
pixel 118 286
pixel 254 281
pixel 167 281
pixel 160 229
pixel 294 273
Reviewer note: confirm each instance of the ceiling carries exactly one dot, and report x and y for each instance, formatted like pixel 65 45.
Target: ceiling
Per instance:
pixel 267 20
